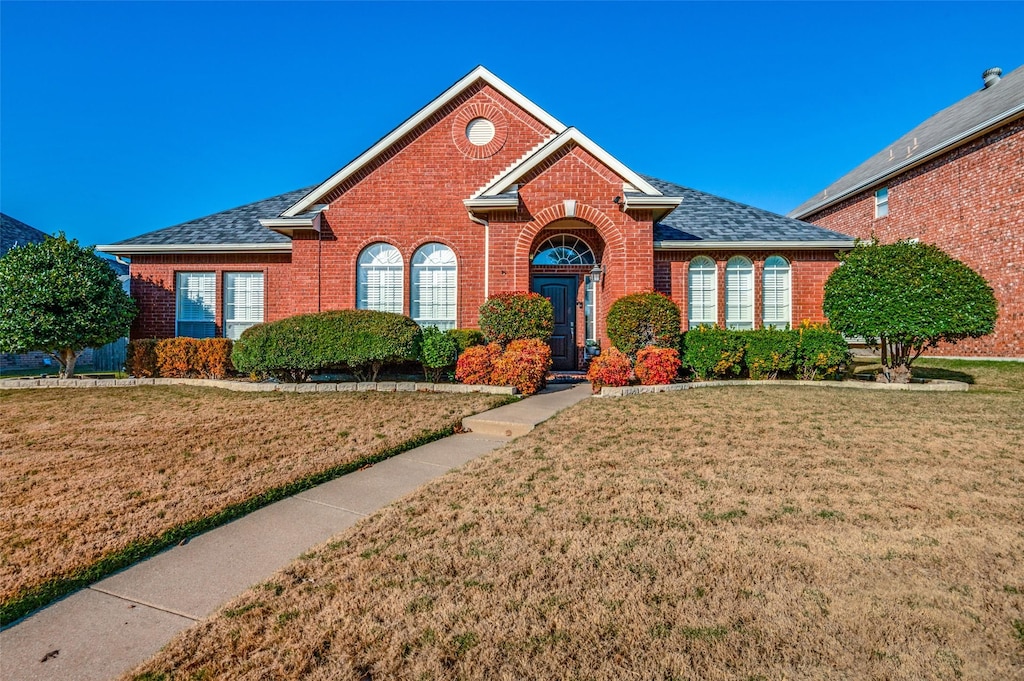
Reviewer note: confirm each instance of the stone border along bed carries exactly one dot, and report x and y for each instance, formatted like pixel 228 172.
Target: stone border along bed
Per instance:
pixel 245 386
pixel 932 385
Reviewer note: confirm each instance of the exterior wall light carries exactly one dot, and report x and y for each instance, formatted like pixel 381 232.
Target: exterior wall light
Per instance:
pixel 596 273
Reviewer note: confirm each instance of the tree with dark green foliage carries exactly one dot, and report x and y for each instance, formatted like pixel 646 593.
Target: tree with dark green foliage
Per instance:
pixel 904 298
pixel 642 319
pixel 60 298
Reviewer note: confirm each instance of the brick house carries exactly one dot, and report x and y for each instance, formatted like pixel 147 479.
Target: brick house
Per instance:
pixel 480 192
pixel 955 181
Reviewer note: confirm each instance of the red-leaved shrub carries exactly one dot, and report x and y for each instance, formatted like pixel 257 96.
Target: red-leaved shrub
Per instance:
pixel 213 357
pixel 657 366
pixel 177 357
pixel 140 357
pixel 611 367
pixel 476 364
pixel 524 364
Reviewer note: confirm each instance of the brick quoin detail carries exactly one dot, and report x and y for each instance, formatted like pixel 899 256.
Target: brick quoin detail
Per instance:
pixel 970 203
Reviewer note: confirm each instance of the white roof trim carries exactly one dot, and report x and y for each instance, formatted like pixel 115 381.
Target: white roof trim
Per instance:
pixel 155 249
pixel 479 73
pixel 527 164
pixel 651 201
pixel 492 202
pixel 699 245
pixel 907 164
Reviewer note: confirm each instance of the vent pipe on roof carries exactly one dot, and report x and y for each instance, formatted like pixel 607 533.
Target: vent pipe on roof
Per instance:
pixel 991 76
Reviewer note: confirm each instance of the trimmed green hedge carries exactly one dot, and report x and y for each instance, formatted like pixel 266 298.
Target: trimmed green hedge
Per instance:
pixel 640 320
pixel 518 315
pixel 810 352
pixel 361 340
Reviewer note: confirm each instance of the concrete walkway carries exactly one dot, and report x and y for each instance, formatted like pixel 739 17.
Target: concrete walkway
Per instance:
pixel 123 620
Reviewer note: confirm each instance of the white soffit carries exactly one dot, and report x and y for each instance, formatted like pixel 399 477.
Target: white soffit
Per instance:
pixel 479 73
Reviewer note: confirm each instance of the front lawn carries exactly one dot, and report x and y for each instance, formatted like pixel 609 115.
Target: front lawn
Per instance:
pixel 762 532
pixel 91 473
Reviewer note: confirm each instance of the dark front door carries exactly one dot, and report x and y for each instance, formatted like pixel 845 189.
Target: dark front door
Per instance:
pixel 562 293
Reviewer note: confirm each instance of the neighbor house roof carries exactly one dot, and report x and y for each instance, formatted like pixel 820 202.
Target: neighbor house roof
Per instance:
pixel 986 109
pixel 238 229
pixel 16 233
pixel 705 221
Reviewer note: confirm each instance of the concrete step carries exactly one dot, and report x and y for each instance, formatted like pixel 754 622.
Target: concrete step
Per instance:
pixel 520 418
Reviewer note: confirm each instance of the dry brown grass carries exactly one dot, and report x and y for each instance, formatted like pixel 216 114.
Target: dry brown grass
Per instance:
pixel 88 472
pixel 737 533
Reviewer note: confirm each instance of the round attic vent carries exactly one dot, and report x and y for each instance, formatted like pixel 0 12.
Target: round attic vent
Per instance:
pixel 480 131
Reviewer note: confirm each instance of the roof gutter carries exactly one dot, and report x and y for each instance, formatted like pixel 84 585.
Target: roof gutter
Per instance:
pixel 702 245
pixel 927 155
pixel 161 249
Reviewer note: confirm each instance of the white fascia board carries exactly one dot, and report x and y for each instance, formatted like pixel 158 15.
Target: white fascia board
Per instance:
pixel 479 73
pixel 651 202
pixel 290 224
pixel 569 135
pixel 492 202
pixel 907 164
pixel 699 245
pixel 159 249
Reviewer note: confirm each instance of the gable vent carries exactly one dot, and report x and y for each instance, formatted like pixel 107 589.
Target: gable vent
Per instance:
pixel 480 131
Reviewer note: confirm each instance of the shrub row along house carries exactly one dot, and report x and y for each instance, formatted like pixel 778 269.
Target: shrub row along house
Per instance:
pixel 480 192
pixel 955 181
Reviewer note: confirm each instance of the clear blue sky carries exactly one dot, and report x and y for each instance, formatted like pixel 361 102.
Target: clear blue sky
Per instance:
pixel 119 118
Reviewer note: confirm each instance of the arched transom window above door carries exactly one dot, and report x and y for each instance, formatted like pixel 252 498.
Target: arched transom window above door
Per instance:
pixel 564 249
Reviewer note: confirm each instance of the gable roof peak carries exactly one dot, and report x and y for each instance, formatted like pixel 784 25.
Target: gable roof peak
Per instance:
pixel 480 73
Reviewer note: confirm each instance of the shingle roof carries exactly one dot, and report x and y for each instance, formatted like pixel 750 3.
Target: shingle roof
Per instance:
pixel 706 217
pixel 239 225
pixel 990 106
pixel 17 233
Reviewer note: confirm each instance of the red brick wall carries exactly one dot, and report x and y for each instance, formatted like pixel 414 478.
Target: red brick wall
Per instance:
pixel 970 203
pixel 808 272
pixel 152 287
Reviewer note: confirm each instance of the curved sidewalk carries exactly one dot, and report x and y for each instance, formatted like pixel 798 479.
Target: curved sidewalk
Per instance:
pixel 117 623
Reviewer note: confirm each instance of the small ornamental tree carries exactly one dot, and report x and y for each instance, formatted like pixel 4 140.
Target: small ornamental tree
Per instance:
pixel 642 319
pixel 506 317
pixel 60 298
pixel 906 297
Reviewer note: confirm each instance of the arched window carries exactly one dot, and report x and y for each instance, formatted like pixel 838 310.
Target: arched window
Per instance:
pixel 379 282
pixel 739 293
pixel 434 286
pixel 703 291
pixel 564 249
pixel 777 292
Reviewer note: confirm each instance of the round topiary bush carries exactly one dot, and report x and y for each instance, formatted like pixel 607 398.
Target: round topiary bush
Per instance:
pixel 642 319
pixel 506 317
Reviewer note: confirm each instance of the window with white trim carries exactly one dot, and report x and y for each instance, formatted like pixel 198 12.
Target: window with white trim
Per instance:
pixel 739 293
pixel 777 292
pixel 589 315
pixel 882 202
pixel 434 296
pixel 703 292
pixel 243 302
pixel 195 308
pixel 379 281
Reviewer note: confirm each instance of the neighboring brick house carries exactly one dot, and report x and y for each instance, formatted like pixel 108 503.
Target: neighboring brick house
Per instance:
pixel 480 192
pixel 956 181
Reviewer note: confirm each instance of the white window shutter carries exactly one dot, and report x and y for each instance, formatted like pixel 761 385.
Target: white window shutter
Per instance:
pixel 434 295
pixel 243 302
pixel 739 293
pixel 196 296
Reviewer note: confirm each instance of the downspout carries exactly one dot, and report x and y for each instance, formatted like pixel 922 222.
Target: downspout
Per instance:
pixel 487 251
